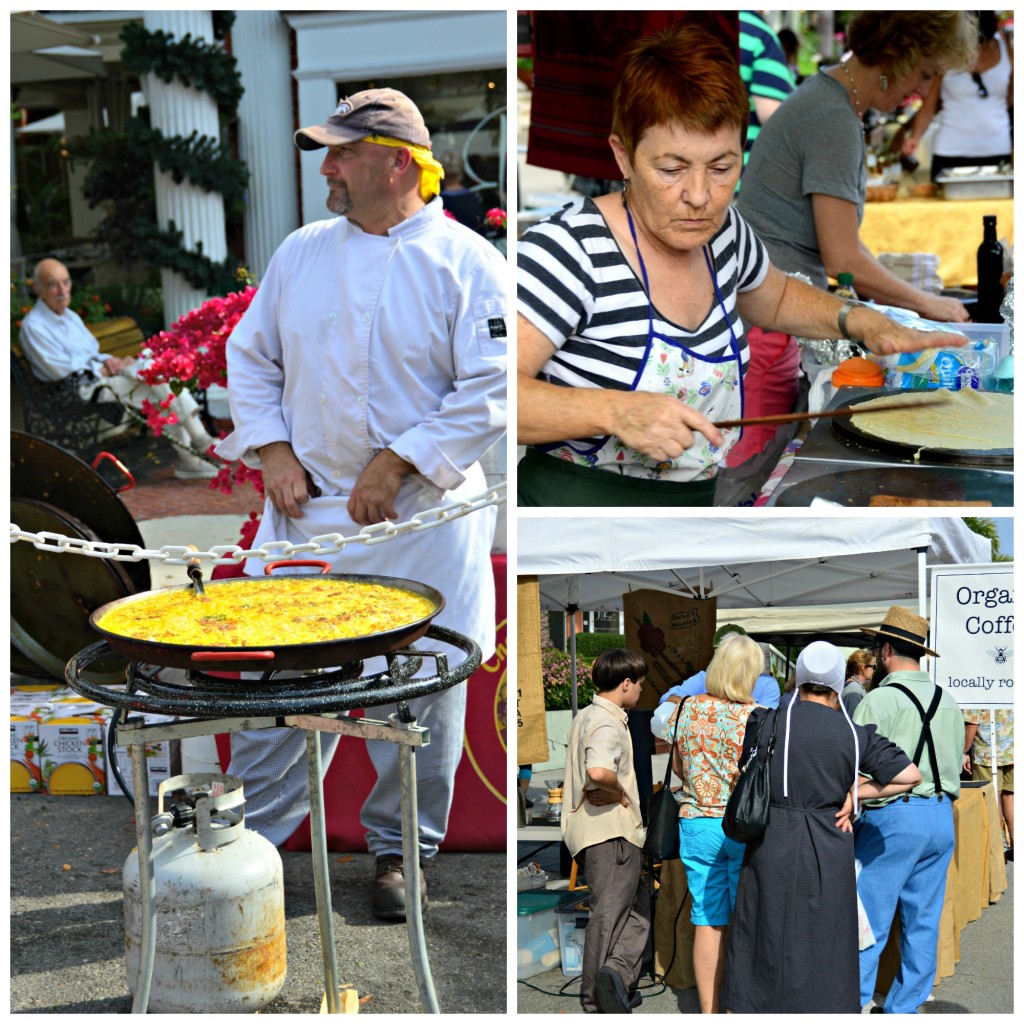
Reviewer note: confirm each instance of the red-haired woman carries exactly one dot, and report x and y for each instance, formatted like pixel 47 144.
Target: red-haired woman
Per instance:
pixel 630 344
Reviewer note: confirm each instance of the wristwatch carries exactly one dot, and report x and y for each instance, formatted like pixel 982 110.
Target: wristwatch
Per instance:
pixel 844 311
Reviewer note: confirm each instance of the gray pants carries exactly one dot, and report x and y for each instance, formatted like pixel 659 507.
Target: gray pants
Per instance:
pixel 620 915
pixel 272 766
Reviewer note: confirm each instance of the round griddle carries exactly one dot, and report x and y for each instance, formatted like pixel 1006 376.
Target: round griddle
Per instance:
pixel 856 487
pixel 22 666
pixel 54 593
pixel 321 654
pixel 45 472
pixel 845 430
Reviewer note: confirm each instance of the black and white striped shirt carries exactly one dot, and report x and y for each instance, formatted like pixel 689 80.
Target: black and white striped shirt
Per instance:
pixel 577 288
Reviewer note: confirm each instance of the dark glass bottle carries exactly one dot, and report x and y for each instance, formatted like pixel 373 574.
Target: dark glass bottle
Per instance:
pixel 990 272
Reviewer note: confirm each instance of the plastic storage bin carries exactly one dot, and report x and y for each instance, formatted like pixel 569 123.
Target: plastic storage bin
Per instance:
pixel 537 932
pixel 572 924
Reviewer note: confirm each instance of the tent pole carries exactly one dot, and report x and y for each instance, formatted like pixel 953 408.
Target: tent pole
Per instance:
pixel 922 587
pixel 922 582
pixel 574 604
pixel 572 657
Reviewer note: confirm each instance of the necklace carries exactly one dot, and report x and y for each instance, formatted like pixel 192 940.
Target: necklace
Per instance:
pixel 856 98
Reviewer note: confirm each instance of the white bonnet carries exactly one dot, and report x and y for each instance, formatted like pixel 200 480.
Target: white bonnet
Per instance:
pixel 821 664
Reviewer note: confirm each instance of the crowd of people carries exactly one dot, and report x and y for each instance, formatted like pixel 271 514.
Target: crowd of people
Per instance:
pixel 865 755
pixel 652 316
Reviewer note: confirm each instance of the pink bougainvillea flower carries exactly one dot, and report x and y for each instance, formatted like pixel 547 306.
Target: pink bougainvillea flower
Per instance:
pixel 496 218
pixel 191 354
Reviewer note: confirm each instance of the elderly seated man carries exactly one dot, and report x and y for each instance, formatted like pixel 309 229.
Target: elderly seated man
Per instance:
pixel 57 344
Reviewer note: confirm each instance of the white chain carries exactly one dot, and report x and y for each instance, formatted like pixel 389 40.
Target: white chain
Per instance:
pixel 232 554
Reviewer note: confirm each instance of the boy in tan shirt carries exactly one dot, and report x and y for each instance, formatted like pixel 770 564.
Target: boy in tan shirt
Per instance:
pixel 603 828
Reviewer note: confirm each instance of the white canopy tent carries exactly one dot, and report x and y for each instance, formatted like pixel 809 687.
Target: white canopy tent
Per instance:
pixel 773 575
pixel 803 565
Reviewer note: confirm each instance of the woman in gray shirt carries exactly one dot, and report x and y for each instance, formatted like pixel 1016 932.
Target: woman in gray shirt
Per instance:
pixel 804 188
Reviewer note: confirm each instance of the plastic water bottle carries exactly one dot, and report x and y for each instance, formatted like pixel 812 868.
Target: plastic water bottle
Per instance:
pixel 845 289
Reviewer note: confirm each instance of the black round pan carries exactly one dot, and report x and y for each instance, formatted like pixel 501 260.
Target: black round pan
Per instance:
pixel 53 593
pixel 323 654
pixel 937 484
pixel 46 472
pixel 845 430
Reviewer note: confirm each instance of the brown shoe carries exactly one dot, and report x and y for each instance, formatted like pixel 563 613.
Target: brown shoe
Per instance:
pixel 389 889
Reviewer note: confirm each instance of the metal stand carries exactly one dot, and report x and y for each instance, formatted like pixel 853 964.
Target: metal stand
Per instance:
pixel 400 729
pixel 210 704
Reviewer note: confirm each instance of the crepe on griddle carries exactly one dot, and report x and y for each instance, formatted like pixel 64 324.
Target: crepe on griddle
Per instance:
pixel 963 420
pixel 898 501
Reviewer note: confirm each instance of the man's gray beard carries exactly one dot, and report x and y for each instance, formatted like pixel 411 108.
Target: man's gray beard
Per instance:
pixel 339 201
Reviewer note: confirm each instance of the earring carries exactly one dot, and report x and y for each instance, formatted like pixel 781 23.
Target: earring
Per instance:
pixel 625 184
pixel 883 82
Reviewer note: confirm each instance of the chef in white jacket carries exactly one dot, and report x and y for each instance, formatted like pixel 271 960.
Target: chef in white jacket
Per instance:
pixel 366 380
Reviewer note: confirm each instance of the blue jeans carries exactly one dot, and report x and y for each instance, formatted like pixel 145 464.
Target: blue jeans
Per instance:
pixel 904 850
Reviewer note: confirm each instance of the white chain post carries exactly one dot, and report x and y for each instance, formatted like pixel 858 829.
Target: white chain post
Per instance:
pixel 274 550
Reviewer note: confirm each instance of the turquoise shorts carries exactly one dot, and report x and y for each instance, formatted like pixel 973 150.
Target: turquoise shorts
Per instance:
pixel 712 861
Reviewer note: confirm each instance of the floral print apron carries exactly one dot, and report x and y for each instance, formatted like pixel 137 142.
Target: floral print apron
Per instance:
pixel 711 385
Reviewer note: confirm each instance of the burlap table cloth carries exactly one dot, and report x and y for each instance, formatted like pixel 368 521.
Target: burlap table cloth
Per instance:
pixel 952 229
pixel 673 932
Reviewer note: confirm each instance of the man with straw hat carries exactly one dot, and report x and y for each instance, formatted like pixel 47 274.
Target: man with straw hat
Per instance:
pixel 905 843
pixel 367 380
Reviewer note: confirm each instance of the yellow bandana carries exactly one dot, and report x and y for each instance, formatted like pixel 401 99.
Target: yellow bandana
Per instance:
pixel 433 172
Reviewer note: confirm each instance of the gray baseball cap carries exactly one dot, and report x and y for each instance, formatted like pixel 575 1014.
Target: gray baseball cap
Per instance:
pixel 386 112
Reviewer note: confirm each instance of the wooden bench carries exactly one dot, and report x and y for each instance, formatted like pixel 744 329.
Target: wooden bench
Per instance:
pixel 120 337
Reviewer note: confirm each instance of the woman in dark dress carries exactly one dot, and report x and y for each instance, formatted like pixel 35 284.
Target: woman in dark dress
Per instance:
pixel 793 938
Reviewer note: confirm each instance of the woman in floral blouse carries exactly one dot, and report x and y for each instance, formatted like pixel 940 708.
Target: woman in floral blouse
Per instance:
pixel 706 758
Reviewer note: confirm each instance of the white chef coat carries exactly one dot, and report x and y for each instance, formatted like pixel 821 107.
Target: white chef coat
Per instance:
pixel 356 342
pixel 57 346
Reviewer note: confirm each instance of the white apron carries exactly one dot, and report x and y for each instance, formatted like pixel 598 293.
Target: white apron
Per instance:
pixel 454 558
pixel 711 385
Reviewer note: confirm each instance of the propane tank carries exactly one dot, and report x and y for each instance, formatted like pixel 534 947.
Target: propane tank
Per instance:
pixel 220 926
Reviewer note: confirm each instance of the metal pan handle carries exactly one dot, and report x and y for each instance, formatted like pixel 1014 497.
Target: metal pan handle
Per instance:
pixel 120 465
pixel 232 656
pixel 325 567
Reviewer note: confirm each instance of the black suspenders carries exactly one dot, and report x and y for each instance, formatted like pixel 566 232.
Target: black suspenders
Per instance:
pixel 926 733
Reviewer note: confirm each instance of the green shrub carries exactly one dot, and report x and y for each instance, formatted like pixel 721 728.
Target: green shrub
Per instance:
pixel 590 645
pixel 557 668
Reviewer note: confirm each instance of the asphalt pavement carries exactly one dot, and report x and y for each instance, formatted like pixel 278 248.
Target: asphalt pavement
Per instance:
pixel 67 926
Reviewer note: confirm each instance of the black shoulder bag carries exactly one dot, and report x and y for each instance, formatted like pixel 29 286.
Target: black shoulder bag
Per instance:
pixel 749 806
pixel 662 842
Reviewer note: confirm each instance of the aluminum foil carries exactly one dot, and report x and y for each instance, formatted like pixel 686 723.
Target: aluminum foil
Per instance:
pixel 828 352
pixel 1006 310
pixel 831 353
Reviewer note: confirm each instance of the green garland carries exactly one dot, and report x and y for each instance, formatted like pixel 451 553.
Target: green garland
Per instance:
pixel 203 66
pixel 120 176
pixel 164 248
pixel 205 162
